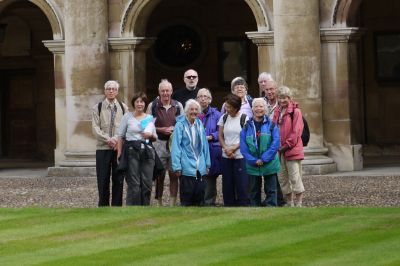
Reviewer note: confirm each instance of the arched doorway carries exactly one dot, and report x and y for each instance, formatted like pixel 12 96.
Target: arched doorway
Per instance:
pixel 27 86
pixel 381 80
pixel 198 36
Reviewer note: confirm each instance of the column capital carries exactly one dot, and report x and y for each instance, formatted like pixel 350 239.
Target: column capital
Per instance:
pixel 265 38
pixel 336 35
pixel 55 46
pixel 130 43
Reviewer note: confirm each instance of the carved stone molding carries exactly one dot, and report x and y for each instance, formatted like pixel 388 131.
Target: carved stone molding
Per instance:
pixel 130 44
pixel 55 46
pixel 261 38
pixel 335 35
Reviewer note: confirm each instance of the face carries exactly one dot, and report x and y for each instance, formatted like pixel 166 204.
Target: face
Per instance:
pixel 192 112
pixel 269 89
pixel 203 99
pixel 111 92
pixel 165 92
pixel 258 109
pixel 139 105
pixel 230 110
pixel 240 90
pixel 284 101
pixel 191 79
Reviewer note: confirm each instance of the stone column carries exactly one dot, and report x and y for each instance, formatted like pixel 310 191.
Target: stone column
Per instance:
pixel 57 47
pixel 86 70
pixel 297 62
pixel 266 53
pixel 342 97
pixel 128 64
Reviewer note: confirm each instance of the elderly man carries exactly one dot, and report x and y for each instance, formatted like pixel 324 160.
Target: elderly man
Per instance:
pixel 268 85
pixel 165 110
pixel 106 117
pixel 191 78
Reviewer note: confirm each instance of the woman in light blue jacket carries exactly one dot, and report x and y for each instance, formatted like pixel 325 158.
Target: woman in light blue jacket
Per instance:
pixel 190 155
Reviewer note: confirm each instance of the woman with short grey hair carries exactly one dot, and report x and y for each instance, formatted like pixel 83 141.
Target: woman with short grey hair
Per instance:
pixel 190 155
pixel 209 116
pixel 239 87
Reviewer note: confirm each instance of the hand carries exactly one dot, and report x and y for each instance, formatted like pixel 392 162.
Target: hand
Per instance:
pixel 259 162
pixel 147 135
pixel 178 173
pixel 209 137
pixel 230 152
pixel 112 143
pixel 207 171
pixel 283 149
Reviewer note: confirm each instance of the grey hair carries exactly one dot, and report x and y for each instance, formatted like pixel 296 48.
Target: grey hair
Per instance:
pixel 164 81
pixel 266 76
pixel 262 101
pixel 111 83
pixel 284 91
pixel 238 81
pixel 189 103
pixel 207 91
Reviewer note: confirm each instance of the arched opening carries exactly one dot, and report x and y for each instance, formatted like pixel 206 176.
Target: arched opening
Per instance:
pixel 27 87
pixel 203 35
pixel 381 64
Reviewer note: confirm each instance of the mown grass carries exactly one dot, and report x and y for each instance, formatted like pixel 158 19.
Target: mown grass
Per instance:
pixel 199 236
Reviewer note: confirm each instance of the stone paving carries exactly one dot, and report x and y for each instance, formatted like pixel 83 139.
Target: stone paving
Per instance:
pixel 329 190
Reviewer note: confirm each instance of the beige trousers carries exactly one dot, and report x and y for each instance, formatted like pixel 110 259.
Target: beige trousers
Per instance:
pixel 290 176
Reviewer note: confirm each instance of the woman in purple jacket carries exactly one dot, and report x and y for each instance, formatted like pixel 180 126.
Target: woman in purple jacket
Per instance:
pixel 209 117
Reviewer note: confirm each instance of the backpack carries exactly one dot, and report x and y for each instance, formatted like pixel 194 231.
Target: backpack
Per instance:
pixel 305 135
pixel 154 106
pixel 120 104
pixel 242 119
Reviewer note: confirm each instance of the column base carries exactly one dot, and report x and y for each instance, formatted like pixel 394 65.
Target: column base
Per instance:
pixel 76 163
pixel 316 162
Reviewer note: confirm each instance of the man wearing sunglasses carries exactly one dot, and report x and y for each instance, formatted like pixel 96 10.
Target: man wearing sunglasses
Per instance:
pixel 191 78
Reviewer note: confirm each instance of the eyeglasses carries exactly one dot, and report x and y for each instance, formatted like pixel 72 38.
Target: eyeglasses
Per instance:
pixel 202 96
pixel 111 89
pixel 191 77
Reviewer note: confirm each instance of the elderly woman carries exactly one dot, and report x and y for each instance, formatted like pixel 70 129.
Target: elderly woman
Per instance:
pixel 209 117
pixel 190 155
pixel 234 178
pixel 289 120
pixel 239 87
pixel 135 132
pixel 259 144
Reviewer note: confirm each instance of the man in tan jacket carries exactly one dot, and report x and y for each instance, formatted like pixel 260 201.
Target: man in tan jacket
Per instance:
pixel 106 116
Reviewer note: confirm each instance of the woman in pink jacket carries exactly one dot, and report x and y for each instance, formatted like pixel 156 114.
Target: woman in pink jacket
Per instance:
pixel 290 122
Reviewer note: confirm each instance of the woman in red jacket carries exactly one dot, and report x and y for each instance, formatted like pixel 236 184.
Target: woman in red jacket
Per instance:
pixel 289 120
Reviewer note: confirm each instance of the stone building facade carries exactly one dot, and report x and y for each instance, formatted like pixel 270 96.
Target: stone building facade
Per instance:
pixel 340 57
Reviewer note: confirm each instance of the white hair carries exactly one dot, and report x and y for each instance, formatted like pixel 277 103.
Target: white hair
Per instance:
pixel 191 102
pixel 165 82
pixel 111 83
pixel 260 100
pixel 266 76
pixel 206 91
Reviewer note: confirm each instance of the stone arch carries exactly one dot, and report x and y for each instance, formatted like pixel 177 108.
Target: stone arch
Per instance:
pixel 50 12
pixel 344 13
pixel 136 14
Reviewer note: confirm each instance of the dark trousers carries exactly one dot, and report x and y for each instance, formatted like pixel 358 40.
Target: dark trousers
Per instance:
pixel 281 199
pixel 210 194
pixel 106 162
pixel 139 177
pixel 270 189
pixel 191 190
pixel 235 182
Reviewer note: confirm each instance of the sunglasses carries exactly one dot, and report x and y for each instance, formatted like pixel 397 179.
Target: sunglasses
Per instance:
pixel 191 77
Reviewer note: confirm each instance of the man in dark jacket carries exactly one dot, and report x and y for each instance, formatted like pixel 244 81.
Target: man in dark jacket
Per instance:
pixel 191 78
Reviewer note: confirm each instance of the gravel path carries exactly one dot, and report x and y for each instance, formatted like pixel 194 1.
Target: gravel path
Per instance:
pixel 68 192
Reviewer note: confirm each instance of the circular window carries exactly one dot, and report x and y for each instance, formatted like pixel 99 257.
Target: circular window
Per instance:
pixel 177 46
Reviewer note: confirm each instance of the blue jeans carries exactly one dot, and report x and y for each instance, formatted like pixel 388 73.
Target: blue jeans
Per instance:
pixel 235 182
pixel 270 189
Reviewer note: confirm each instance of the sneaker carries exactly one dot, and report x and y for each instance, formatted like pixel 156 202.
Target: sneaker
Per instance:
pixel 298 204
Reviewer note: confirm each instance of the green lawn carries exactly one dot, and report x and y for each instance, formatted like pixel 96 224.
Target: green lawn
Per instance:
pixel 197 236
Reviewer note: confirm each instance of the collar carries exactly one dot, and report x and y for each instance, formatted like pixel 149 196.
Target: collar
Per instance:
pixel 110 104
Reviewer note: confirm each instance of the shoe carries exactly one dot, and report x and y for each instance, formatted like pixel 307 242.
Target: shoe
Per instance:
pixel 298 204
pixel 289 204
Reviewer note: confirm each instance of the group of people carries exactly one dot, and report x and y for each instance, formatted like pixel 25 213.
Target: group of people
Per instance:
pixel 182 134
